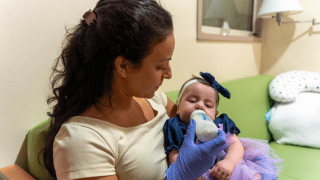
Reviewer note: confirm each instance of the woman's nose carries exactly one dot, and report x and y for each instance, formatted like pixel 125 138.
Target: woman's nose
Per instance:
pixel 168 74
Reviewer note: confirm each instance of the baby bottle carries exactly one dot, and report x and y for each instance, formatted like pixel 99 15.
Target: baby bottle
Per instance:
pixel 206 130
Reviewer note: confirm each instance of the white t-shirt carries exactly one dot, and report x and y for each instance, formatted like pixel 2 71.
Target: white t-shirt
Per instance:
pixel 88 147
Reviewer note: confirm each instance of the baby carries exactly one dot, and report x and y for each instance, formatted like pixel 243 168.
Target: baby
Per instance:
pixel 202 94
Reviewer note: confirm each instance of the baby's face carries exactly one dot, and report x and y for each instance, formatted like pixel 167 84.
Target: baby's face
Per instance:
pixel 197 96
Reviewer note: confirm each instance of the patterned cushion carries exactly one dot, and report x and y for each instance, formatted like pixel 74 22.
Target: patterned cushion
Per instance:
pixel 286 86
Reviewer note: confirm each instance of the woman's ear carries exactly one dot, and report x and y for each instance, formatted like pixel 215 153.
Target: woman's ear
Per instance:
pixel 121 66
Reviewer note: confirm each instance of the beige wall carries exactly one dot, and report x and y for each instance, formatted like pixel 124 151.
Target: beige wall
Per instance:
pixel 293 46
pixel 30 38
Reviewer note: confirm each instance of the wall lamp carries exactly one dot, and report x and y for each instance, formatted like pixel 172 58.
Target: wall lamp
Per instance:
pixel 278 8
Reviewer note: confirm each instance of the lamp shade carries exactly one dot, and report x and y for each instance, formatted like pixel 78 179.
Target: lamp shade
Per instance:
pixel 270 8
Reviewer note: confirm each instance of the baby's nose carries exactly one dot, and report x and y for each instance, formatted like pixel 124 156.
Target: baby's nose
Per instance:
pixel 198 107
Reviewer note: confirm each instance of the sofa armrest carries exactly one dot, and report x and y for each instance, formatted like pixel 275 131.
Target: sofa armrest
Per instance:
pixel 34 146
pixel 14 172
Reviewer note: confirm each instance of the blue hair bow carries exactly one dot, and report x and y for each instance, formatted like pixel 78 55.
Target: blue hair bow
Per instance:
pixel 215 85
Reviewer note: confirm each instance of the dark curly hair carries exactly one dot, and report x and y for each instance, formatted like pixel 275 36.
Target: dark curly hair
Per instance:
pixel 83 73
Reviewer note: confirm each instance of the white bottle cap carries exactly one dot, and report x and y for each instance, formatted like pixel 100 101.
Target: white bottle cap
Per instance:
pixel 196 112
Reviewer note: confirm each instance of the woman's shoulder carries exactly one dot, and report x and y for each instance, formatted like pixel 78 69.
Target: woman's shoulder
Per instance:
pixel 83 132
pixel 79 146
pixel 75 133
pixel 87 125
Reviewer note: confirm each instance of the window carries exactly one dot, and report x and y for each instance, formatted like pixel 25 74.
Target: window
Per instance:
pixel 231 20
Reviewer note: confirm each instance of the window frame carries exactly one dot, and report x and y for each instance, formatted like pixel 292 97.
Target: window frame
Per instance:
pixel 256 24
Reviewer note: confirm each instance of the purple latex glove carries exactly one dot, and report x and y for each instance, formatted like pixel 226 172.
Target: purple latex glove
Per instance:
pixel 193 160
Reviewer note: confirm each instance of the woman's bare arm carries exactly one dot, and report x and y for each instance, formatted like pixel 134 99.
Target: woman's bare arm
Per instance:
pixel 171 108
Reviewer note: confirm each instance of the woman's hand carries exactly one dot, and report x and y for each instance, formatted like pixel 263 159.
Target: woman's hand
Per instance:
pixel 223 169
pixel 193 160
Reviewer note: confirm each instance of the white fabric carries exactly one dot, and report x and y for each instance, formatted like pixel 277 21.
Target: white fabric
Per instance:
pixel 297 122
pixel 286 86
pixel 188 84
pixel 88 147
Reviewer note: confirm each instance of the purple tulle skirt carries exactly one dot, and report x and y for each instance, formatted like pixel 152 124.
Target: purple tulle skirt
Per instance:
pixel 258 158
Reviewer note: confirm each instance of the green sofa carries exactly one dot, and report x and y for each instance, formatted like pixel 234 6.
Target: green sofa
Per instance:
pixel 247 107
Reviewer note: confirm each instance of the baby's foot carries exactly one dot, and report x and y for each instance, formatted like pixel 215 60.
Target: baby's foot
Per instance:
pixel 257 176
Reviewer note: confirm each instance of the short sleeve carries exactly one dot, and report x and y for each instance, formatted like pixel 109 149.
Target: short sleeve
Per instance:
pixel 174 131
pixel 228 124
pixel 80 152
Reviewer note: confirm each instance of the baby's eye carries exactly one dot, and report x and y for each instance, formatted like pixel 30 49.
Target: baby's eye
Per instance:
pixel 209 105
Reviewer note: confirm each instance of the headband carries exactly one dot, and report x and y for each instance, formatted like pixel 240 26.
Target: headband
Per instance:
pixel 89 17
pixel 210 80
pixel 189 83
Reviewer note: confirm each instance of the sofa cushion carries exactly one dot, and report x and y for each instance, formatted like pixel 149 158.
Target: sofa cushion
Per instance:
pixel 299 162
pixel 286 86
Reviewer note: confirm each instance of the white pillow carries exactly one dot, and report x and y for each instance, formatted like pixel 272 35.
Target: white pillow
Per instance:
pixel 286 86
pixel 297 122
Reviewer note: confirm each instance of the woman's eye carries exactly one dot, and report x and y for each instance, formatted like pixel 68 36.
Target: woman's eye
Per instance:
pixel 163 67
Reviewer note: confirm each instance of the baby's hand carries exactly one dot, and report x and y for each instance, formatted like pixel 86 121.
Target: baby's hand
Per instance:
pixel 223 169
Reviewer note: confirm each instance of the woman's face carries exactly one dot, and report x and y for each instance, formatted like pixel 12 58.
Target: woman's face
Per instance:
pixel 197 96
pixel 146 80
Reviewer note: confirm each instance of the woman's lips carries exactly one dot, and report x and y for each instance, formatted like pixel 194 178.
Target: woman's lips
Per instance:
pixel 158 86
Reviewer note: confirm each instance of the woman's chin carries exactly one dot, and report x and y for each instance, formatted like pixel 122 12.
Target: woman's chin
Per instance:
pixel 150 95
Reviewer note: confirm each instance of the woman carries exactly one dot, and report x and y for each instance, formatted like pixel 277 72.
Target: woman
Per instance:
pixel 110 112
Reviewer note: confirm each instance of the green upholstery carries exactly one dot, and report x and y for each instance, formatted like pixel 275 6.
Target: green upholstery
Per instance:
pixel 247 107
pixel 3 177
pixel 35 144
pixel 173 95
pixel 299 162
